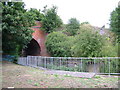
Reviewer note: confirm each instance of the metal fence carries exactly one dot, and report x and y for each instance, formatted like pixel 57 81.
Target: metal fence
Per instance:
pixel 98 65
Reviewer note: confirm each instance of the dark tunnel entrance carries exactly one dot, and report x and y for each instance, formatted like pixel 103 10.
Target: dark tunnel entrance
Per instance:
pixel 33 49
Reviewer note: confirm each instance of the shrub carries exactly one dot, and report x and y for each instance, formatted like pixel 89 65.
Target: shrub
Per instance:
pixel 58 44
pixel 87 44
pixel 108 50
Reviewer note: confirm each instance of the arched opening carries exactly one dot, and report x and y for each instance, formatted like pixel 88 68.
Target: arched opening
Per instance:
pixel 33 49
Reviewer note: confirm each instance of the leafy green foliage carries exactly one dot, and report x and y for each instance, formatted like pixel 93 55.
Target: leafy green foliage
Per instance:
pixel 108 50
pixel 115 22
pixel 15 27
pixel 88 44
pixel 84 23
pixel 51 20
pixel 58 44
pixel 73 26
pixel 38 16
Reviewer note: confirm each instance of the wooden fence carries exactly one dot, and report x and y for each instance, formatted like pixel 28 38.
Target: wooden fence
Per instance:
pixel 98 65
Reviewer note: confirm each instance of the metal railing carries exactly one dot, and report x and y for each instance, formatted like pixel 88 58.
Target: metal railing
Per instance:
pixel 98 65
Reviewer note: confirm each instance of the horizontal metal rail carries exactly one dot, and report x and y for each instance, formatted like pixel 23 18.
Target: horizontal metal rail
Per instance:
pixel 78 57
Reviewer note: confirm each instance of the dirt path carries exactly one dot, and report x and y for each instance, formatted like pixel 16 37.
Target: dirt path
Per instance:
pixel 74 74
pixel 27 77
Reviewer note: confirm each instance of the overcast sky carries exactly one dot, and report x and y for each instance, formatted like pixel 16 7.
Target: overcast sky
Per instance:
pixel 96 12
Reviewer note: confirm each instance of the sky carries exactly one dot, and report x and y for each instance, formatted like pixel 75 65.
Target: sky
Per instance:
pixel 96 12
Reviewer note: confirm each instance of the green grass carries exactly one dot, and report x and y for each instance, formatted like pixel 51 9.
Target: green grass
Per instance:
pixel 29 81
pixel 56 75
pixel 67 75
pixel 36 84
pixel 97 77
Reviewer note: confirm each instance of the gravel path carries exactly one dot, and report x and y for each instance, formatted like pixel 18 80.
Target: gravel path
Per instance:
pixel 69 73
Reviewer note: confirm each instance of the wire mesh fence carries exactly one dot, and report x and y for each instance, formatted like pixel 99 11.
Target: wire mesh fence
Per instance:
pixel 99 65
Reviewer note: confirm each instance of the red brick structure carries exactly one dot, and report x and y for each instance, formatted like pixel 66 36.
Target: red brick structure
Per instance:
pixel 37 45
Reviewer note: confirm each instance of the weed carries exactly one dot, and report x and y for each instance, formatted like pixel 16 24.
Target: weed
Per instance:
pixel 57 87
pixel 36 84
pixel 67 75
pixel 29 81
pixel 97 76
pixel 41 80
pixel 55 75
pixel 62 79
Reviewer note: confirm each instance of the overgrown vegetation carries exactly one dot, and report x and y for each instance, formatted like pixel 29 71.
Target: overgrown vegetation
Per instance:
pixel 73 26
pixel 51 20
pixel 115 26
pixel 87 42
pixel 115 22
pixel 16 23
pixel 58 44
pixel 73 40
pixel 15 27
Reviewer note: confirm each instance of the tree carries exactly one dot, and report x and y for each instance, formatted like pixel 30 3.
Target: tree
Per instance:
pixel 38 16
pixel 16 23
pixel 85 23
pixel 51 20
pixel 87 44
pixel 73 26
pixel 58 44
pixel 115 22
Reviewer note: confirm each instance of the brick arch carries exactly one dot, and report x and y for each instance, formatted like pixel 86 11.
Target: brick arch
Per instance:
pixel 33 48
pixel 40 36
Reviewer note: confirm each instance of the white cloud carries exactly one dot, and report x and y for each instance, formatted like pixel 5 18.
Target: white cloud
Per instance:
pixel 97 12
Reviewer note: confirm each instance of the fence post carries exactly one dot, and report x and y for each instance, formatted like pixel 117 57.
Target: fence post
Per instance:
pixel 67 61
pixel 81 64
pixel 30 59
pixel 51 62
pixel 44 62
pixel 109 67
pixel 60 63
pixel 37 60
pixel 22 61
pixel 94 67
pixel 27 61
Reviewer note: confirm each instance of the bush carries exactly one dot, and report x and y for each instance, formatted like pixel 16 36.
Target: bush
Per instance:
pixel 87 44
pixel 10 58
pixel 58 44
pixel 108 50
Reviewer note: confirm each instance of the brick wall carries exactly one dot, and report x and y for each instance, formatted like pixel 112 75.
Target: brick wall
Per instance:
pixel 40 37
